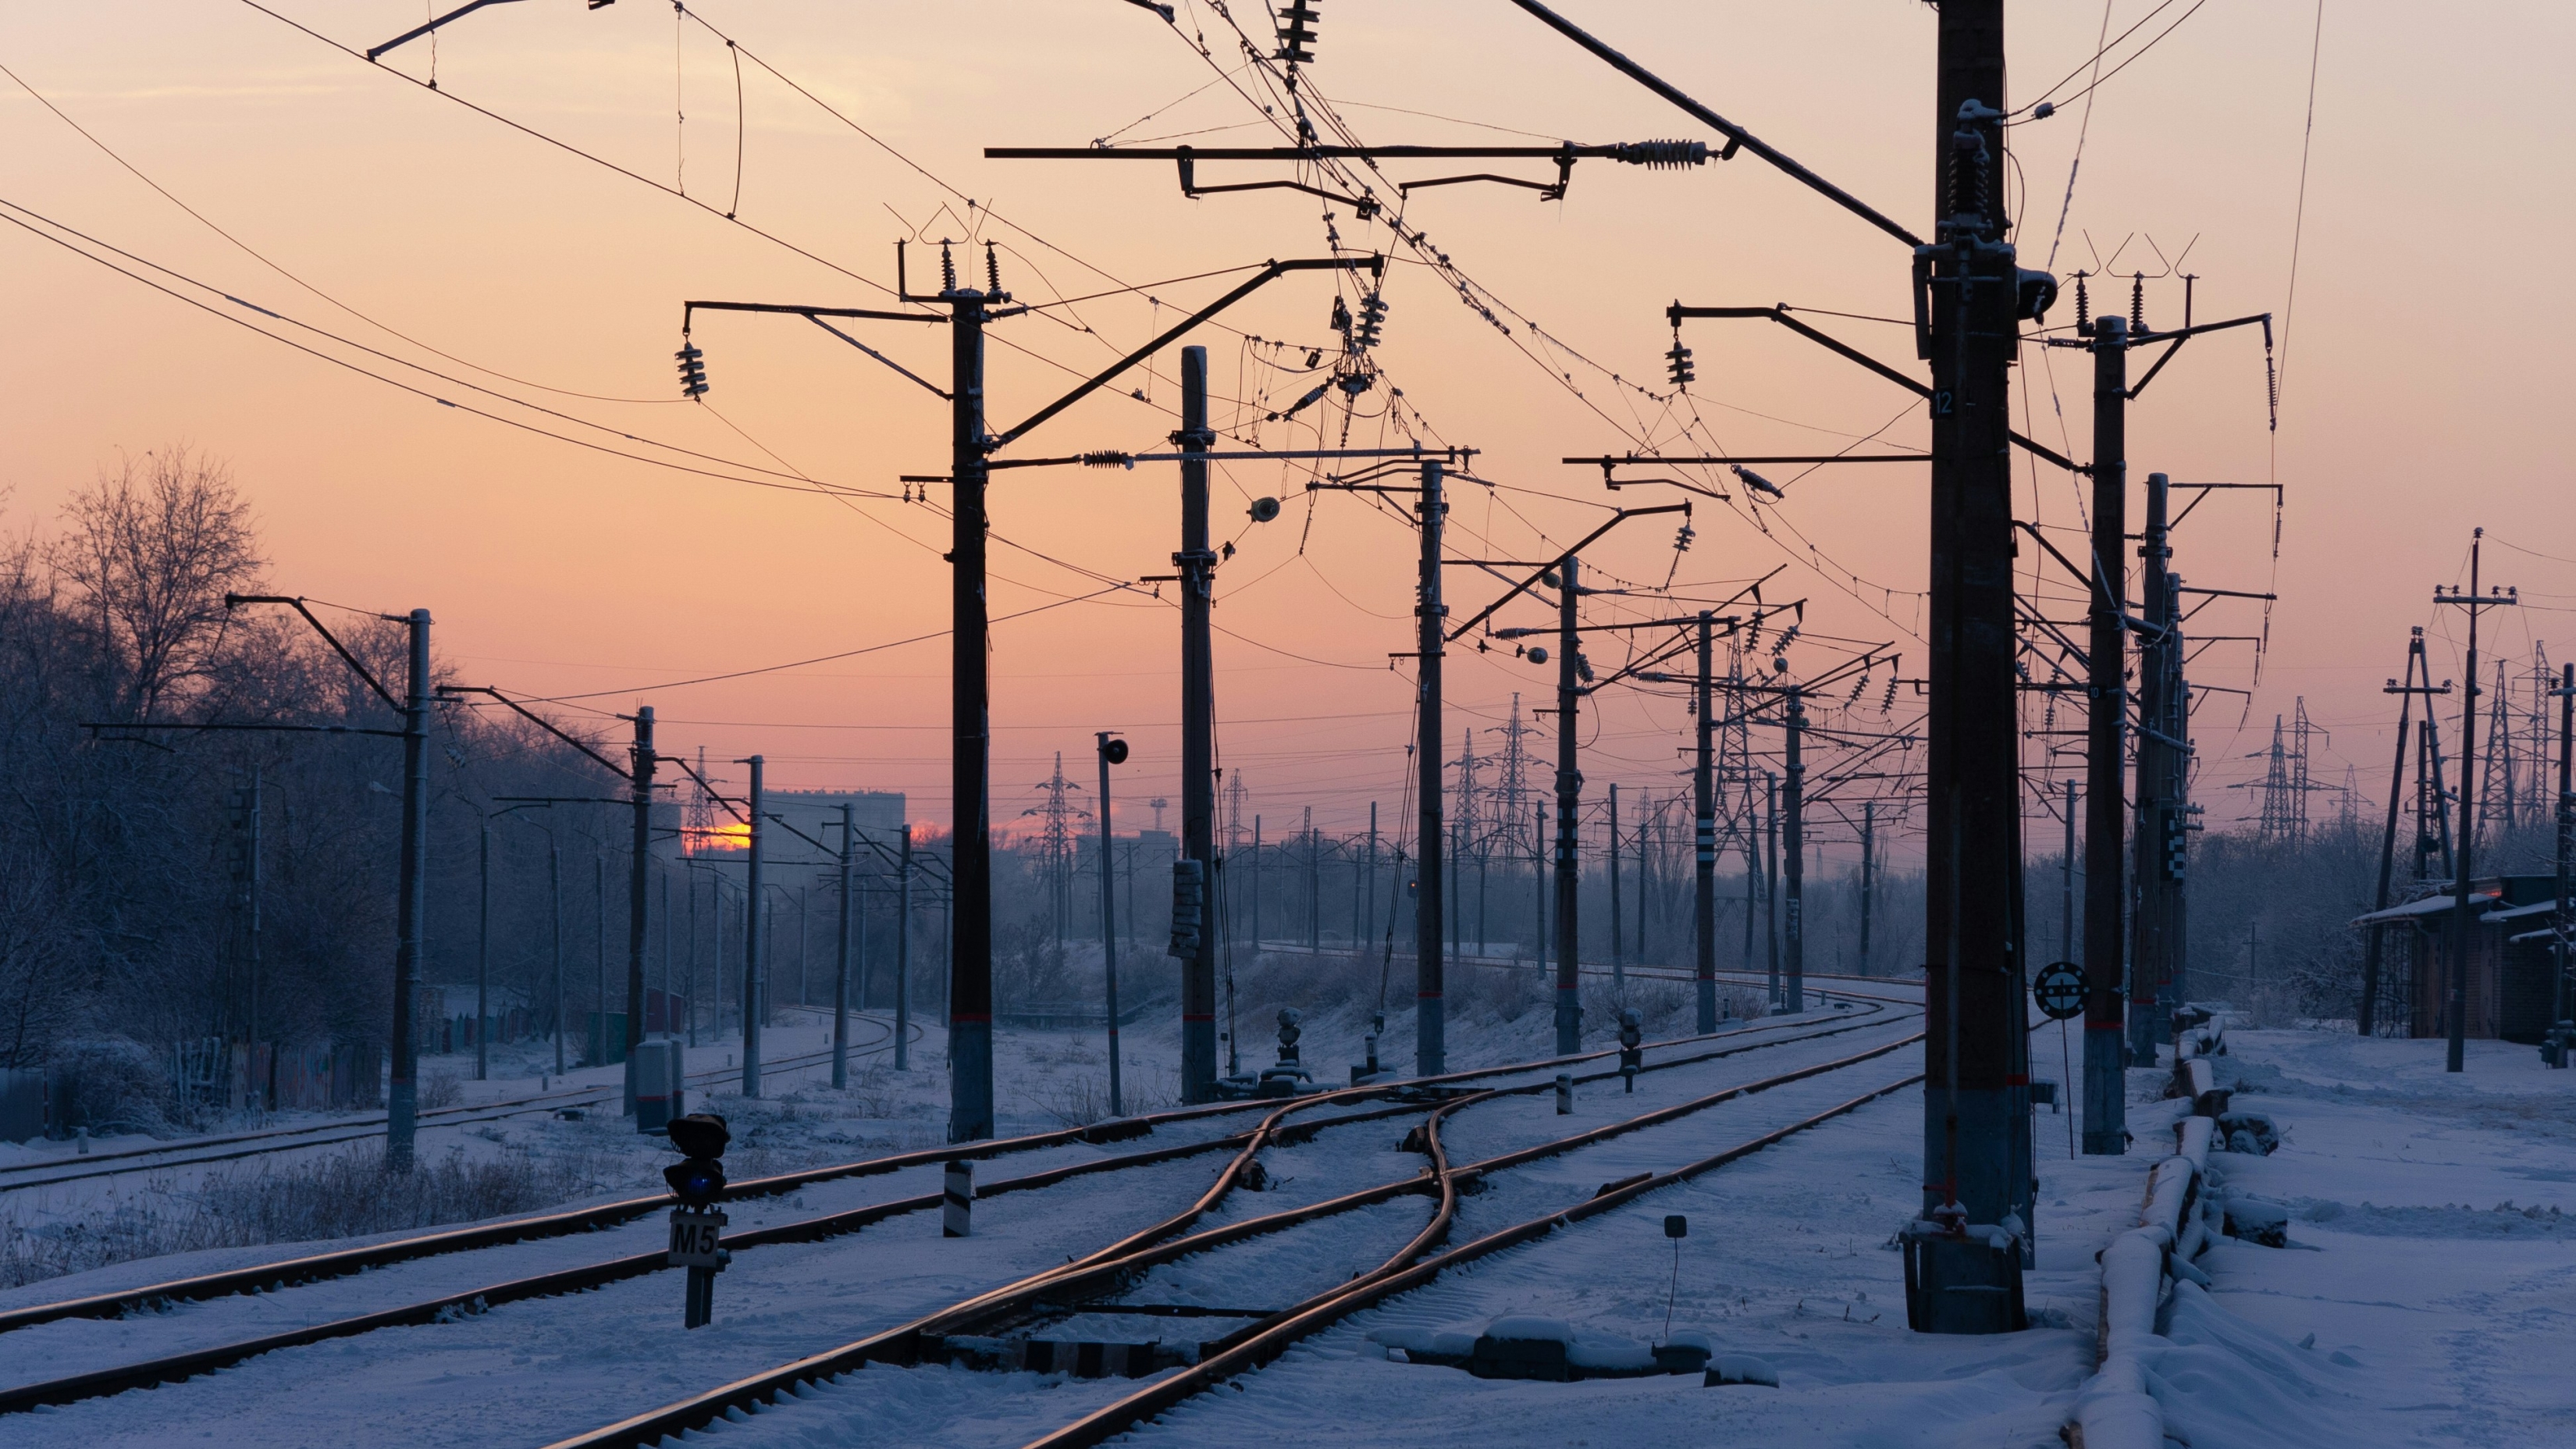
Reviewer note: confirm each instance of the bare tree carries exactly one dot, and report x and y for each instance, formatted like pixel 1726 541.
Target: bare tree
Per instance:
pixel 147 553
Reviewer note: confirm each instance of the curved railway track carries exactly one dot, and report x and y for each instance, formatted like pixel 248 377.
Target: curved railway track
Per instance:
pixel 932 1336
pixel 1350 1105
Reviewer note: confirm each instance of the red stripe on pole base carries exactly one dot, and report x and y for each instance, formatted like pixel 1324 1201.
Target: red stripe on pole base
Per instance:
pixel 969 1016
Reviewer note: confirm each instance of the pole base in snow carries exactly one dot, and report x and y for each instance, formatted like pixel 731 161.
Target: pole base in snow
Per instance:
pixel 1969 1282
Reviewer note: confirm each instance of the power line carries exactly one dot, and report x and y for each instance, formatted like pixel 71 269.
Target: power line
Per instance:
pixel 256 255
pixel 804 486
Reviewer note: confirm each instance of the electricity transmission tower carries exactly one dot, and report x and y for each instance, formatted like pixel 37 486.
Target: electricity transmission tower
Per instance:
pixel 1055 849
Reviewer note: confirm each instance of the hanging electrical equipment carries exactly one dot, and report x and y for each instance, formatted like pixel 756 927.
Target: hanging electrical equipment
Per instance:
pixel 693 370
pixel 1372 324
pixel 1297 33
pixel 1680 360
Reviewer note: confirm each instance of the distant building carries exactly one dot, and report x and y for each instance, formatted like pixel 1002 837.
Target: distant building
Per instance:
pixel 2508 991
pixel 879 815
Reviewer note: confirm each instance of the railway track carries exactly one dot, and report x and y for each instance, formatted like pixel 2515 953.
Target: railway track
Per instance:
pixel 968 1329
pixel 1345 1107
pixel 124 1161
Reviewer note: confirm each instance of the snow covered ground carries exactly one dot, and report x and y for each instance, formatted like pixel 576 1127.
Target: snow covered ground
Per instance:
pixel 2428 1296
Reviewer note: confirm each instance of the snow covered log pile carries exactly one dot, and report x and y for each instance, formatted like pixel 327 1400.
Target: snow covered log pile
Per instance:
pixel 2115 1410
pixel 2197 1037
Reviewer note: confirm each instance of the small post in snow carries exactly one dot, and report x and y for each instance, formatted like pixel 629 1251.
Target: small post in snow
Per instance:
pixel 957 1201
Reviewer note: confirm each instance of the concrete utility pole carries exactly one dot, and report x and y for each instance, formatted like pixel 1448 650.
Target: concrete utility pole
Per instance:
pixel 1868 876
pixel 1540 883
pixel 970 970
pixel 755 994
pixel 598 952
pixel 2477 602
pixel 638 913
pixel 2066 885
pixel 1703 870
pixel 2156 854
pixel 1569 799
pixel 1197 564
pixel 841 949
pixel 483 948
pixel 2105 739
pixel 1369 911
pixel 1976 1101
pixel 1111 751
pixel 402 1098
pixel 903 954
pixel 1314 884
pixel 554 888
pixel 1618 957
pixel 2560 1026
pixel 1430 1024
pixel 1793 846
pixel 1771 883
pixel 250 940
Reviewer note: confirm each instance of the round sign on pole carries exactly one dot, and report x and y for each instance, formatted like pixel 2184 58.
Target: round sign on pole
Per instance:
pixel 2060 991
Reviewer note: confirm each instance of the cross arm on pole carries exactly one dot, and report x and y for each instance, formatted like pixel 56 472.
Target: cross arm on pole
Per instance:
pixel 1735 135
pixel 711 792
pixel 1518 589
pixel 1780 314
pixel 815 315
pixel 1374 265
pixel 234 601
pixel 459 13
pixel 540 721
pixel 2177 339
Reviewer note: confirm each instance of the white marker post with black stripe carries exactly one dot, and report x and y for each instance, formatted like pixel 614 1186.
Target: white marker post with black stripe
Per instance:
pixel 957 1203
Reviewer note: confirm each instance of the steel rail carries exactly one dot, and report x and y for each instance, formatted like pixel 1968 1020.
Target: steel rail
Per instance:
pixel 340 1263
pixel 174 1368
pixel 1262 1343
pixel 365 1128
pixel 902 1344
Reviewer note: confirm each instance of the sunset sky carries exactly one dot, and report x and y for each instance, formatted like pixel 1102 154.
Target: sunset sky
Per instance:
pixel 2418 384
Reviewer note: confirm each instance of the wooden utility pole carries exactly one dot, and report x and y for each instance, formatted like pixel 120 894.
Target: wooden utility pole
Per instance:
pixel 2456 997
pixel 2374 945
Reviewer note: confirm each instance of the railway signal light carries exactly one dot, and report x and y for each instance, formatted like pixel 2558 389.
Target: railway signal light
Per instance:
pixel 696 1227
pixel 699 1180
